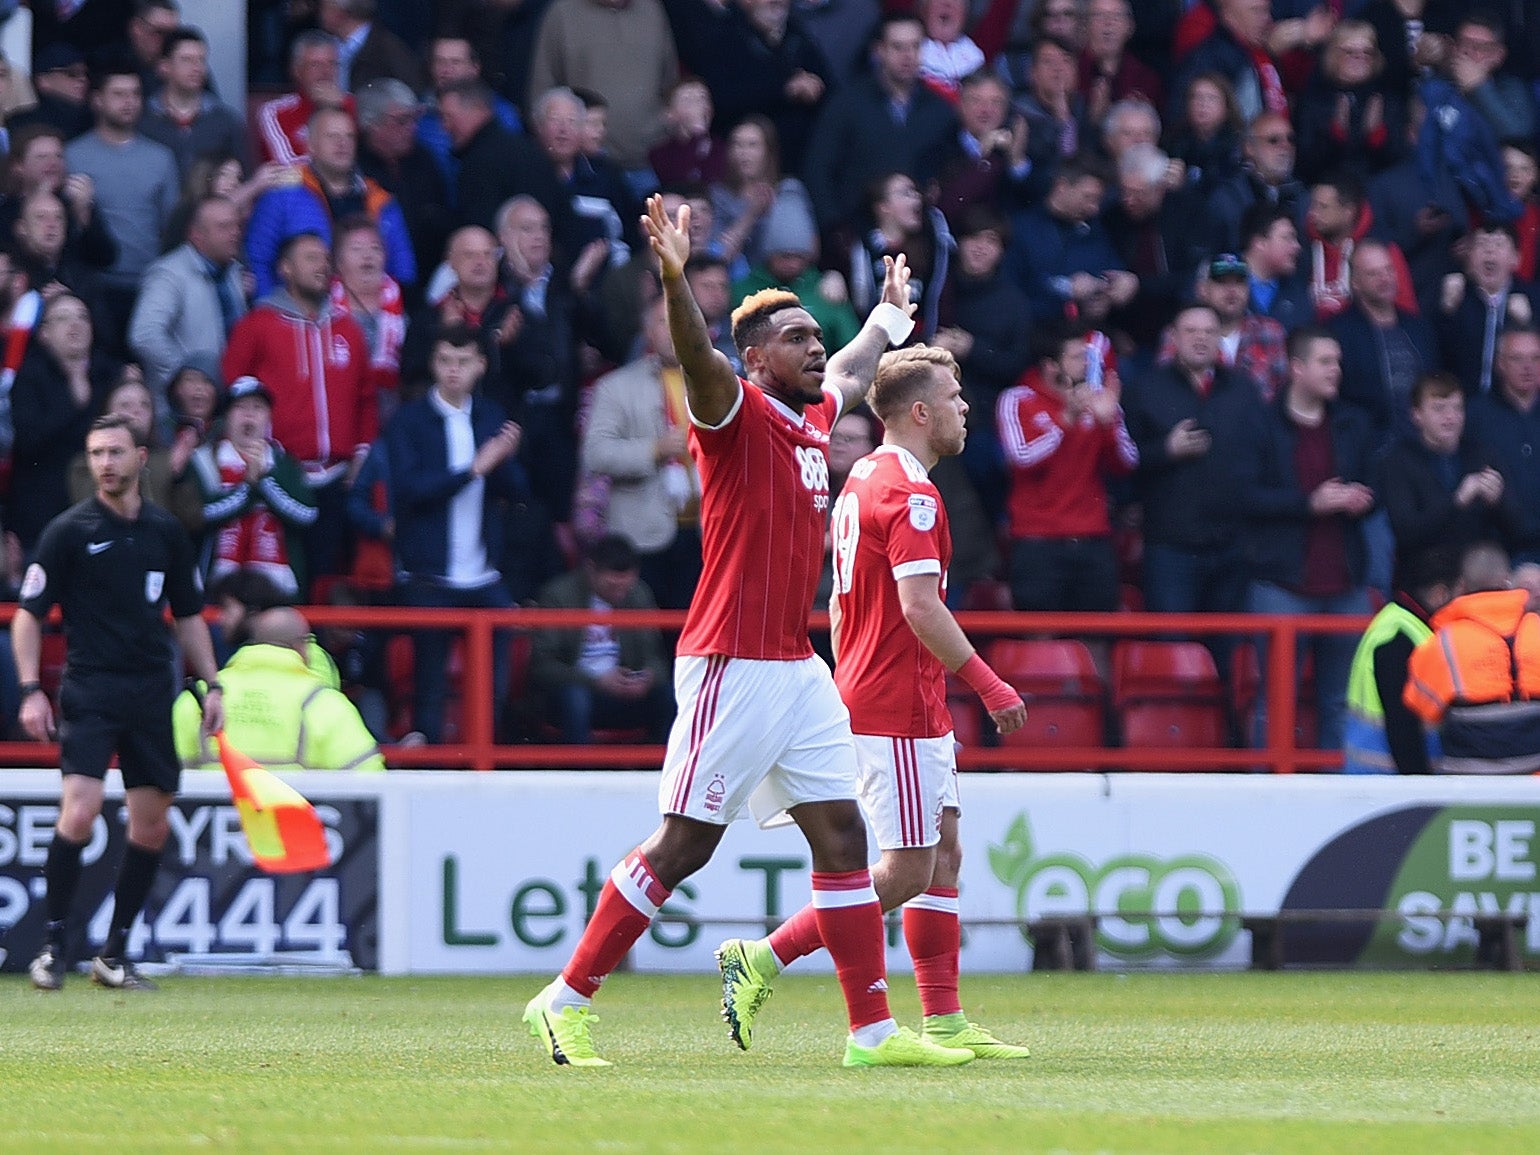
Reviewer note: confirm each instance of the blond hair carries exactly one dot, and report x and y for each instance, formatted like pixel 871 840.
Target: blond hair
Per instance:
pixel 904 375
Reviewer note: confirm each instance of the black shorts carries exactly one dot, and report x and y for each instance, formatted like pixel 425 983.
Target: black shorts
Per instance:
pixel 103 714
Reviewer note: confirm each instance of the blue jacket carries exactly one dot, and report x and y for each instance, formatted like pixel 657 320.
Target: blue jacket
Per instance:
pixel 1045 251
pixel 1457 140
pixel 285 212
pixel 422 485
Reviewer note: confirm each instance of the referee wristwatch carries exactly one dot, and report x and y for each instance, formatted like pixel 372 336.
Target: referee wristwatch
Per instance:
pixel 29 688
pixel 214 686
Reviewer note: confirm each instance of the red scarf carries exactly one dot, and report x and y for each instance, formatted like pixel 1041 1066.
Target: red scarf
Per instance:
pixel 389 329
pixel 18 332
pixel 255 538
pixel 1273 97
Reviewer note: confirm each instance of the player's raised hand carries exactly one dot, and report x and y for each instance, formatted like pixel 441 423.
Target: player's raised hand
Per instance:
pixel 895 283
pixel 670 240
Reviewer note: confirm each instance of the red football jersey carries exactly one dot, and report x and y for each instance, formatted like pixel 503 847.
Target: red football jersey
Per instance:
pixel 889 523
pixel 764 480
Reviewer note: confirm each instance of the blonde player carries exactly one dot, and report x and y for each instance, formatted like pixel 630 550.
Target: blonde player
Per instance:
pixel 894 641
pixel 758 712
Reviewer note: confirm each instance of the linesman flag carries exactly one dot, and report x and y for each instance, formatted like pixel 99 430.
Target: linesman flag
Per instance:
pixel 282 828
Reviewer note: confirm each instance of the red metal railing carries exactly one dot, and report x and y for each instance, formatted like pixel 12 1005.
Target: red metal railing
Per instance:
pixel 479 751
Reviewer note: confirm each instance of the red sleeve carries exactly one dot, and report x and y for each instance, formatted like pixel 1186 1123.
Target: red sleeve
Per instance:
pixel 1406 295
pixel 994 26
pixel 714 442
pixel 911 515
pixel 1196 25
pixel 240 357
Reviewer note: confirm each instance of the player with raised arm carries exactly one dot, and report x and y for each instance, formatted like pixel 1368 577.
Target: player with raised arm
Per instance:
pixel 894 641
pixel 760 722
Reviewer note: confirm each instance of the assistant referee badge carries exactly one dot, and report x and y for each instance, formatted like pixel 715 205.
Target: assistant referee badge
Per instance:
pixel 34 583
pixel 922 512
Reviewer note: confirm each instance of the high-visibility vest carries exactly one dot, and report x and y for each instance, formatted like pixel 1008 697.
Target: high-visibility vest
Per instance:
pixel 280 714
pixel 1365 747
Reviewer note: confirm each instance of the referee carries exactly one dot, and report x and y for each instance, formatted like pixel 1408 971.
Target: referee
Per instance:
pixel 112 564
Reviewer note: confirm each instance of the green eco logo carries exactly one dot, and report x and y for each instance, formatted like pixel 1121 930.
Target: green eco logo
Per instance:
pixel 1123 891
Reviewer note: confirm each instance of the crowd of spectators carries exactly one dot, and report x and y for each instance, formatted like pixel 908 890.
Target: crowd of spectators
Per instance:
pixel 1243 294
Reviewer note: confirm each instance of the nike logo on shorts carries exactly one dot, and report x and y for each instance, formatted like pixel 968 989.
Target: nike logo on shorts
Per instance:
pixel 96 547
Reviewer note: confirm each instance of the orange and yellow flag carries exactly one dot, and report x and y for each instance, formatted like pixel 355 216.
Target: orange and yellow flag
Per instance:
pixel 282 828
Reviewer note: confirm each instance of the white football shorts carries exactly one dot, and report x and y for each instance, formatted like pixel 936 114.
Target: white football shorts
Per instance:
pixel 905 784
pixel 770 735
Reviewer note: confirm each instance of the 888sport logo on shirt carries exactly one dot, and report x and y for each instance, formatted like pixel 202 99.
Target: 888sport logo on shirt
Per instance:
pixel 815 474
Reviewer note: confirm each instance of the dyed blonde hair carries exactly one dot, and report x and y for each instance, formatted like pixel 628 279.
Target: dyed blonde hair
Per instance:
pixel 904 375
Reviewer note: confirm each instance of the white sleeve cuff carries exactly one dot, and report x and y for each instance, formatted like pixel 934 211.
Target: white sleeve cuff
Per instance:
pixel 893 321
pixel 916 568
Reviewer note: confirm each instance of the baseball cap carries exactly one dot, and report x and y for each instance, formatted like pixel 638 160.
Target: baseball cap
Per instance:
pixel 1227 265
pixel 243 387
pixel 58 56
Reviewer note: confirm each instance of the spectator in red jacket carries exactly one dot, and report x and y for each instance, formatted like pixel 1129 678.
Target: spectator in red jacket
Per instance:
pixel 316 364
pixel 1063 438
pixel 283 123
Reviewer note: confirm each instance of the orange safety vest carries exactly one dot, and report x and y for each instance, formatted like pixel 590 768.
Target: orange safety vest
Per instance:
pixel 1478 677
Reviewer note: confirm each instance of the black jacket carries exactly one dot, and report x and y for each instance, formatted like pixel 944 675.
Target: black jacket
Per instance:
pixel 1191 503
pixel 856 140
pixel 1363 368
pixel 1512 436
pixel 1462 333
pixel 1420 500
pixel 1277 507
pixel 496 165
pixel 999 317
pixel 418 186
pixel 1231 201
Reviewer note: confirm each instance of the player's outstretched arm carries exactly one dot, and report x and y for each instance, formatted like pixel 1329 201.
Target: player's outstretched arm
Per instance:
pixel 939 633
pixel 709 381
pixel 854 367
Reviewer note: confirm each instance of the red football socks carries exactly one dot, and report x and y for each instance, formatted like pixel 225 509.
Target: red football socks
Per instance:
pixel 627 904
pixel 797 937
pixel 933 937
pixel 850 925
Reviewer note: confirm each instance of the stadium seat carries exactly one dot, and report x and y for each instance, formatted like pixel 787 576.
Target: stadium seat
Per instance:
pixel 1246 687
pixel 1061 722
pixel 1065 696
pixel 1056 667
pixel 1156 669
pixel 1168 694
pixel 1172 723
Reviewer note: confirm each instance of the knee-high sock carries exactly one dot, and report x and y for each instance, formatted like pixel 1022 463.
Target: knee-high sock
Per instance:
pixel 933 937
pixel 135 877
pixel 61 873
pixel 627 904
pixel 797 937
pixel 850 924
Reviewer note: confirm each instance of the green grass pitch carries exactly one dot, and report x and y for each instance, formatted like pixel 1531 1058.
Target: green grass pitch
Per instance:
pixel 1188 1064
